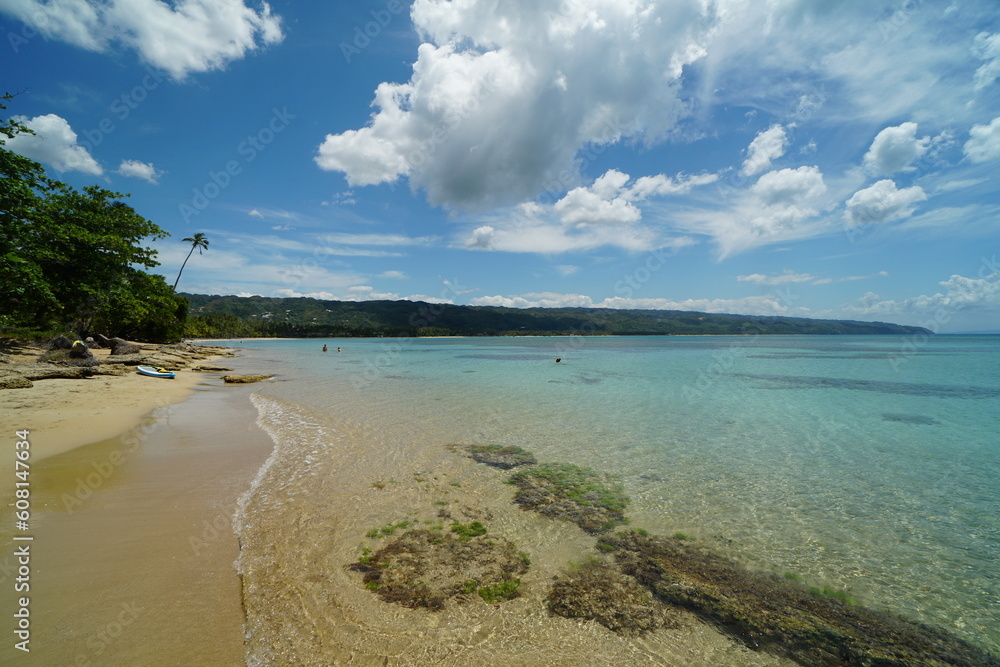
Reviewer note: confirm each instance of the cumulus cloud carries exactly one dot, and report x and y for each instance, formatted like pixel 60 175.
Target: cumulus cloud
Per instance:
pixel 882 203
pixel 894 149
pixel 786 198
pixel 145 171
pixel 179 37
pixel 765 147
pixel 984 142
pixel 783 205
pixel 54 143
pixel 789 186
pixel 503 96
pixel 605 213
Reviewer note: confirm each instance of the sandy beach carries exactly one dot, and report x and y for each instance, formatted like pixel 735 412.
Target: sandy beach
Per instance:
pixel 133 488
pixel 63 414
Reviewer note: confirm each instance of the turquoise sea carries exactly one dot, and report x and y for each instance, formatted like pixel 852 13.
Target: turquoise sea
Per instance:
pixel 865 464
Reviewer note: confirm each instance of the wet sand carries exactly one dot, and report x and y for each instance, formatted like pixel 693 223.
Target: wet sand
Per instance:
pixel 133 549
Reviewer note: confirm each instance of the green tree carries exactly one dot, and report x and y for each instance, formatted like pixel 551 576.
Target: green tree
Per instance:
pixel 72 258
pixel 198 241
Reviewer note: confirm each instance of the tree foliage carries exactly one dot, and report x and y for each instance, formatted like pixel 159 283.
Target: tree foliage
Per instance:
pixel 71 258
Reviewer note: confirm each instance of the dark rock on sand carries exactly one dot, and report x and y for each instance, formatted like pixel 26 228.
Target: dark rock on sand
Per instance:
pixel 80 351
pixel 59 343
pixel 121 347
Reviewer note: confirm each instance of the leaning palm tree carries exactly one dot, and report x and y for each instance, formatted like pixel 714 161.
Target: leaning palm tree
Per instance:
pixel 198 241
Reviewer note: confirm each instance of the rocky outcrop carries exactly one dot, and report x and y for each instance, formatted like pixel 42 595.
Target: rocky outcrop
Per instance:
pixel 51 371
pixel 78 361
pixel 10 380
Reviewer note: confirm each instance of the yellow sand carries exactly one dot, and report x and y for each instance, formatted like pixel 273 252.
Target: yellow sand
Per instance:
pixel 61 415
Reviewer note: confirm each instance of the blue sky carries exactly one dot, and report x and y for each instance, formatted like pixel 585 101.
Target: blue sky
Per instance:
pixel 785 157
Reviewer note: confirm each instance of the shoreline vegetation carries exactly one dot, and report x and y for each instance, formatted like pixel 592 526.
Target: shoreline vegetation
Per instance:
pixel 224 317
pixel 634 583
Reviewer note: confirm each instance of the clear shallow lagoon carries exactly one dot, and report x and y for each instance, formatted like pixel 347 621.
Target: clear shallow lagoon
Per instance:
pixel 866 464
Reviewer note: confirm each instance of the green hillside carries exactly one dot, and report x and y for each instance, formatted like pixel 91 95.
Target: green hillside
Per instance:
pixel 247 317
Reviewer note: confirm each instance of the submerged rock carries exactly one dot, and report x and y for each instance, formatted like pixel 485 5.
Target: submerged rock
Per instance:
pixel 603 593
pixel 765 612
pixel 244 379
pixel 501 456
pixel 592 501
pixel 427 568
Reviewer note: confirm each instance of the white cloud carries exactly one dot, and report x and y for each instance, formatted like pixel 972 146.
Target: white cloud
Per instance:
pixel 602 214
pixel 583 206
pixel 567 269
pixel 54 143
pixel 393 275
pixel 180 37
pixel 789 186
pixel 135 169
pixel 502 96
pixel 783 279
pixel 984 142
pixel 894 149
pixel 882 202
pixel 782 206
pixel 765 147
pixel 987 47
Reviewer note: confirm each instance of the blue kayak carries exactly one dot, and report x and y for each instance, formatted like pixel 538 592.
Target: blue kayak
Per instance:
pixel 154 372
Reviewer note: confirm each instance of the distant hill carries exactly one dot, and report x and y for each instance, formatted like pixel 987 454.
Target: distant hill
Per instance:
pixel 246 317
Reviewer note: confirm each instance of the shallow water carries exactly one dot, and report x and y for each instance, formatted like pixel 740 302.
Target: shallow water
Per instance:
pixel 866 464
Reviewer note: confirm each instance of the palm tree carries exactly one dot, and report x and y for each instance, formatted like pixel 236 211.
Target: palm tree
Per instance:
pixel 198 241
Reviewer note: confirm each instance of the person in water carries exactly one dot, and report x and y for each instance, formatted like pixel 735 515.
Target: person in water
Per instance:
pixel 324 348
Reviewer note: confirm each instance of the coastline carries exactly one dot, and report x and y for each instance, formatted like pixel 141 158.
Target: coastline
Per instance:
pixel 133 485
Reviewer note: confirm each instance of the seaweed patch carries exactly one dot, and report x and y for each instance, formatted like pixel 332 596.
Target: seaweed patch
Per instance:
pixel 428 567
pixel 564 491
pixel 504 457
pixel 780 615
